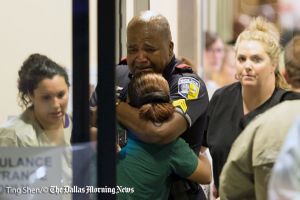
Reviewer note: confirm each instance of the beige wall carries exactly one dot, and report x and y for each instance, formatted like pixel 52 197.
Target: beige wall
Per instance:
pixel 185 22
pixel 27 27
pixel 168 8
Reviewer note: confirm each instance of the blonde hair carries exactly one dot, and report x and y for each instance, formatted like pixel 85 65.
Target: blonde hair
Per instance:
pixel 265 32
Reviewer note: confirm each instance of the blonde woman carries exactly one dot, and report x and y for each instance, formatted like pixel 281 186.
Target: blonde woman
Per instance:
pixel 260 86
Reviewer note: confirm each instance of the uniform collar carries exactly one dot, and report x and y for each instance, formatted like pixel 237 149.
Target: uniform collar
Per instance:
pixel 169 68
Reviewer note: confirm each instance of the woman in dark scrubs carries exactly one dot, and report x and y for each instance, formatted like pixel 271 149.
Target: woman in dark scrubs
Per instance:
pixel 259 87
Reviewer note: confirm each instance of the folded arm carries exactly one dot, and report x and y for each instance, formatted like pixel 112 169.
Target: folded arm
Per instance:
pixel 148 131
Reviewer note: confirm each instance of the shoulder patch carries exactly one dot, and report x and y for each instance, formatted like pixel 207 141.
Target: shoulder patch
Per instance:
pixel 188 87
pixel 180 103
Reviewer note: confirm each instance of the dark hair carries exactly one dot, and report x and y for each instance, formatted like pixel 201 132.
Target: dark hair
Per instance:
pixel 34 69
pixel 210 39
pixel 150 93
pixel 292 61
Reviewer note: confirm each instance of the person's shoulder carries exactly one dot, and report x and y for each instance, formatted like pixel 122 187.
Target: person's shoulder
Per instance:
pixel 272 117
pixel 285 107
pixel 185 71
pixel 227 90
pixel 182 69
pixel 121 70
pixel 270 124
pixel 122 67
pixel 13 123
pixel 19 125
pixel 122 75
pixel 290 95
pixel 10 130
pixel 269 117
pixel 8 137
pixel 179 143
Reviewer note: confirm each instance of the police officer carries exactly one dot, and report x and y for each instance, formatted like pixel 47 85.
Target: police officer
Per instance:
pixel 150 49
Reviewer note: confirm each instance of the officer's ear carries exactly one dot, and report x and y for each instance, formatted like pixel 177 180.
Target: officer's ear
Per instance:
pixel 171 48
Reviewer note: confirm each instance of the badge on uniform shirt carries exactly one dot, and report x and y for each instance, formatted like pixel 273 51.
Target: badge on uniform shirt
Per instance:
pixel 180 103
pixel 188 87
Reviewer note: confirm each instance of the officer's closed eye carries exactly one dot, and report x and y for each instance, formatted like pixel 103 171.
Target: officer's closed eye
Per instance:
pixel 131 50
pixel 150 49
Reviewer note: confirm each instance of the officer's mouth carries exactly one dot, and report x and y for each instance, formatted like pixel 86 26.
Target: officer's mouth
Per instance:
pixel 143 69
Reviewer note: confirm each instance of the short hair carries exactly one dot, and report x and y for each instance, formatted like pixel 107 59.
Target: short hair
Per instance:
pixel 34 69
pixel 153 19
pixel 292 60
pixel 150 93
pixel 210 39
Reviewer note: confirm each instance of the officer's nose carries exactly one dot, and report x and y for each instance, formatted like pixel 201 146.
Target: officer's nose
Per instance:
pixel 141 56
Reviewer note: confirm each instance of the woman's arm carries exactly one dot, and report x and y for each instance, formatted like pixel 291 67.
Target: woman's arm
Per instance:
pixel 203 173
pixel 147 131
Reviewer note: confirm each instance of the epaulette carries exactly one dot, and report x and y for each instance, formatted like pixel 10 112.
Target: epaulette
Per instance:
pixel 183 68
pixel 123 61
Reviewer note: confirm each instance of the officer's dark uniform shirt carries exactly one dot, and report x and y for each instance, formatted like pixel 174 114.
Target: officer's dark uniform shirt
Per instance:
pixel 188 94
pixel 226 120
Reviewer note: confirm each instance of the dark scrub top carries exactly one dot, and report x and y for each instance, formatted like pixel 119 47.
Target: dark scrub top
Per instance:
pixel 188 94
pixel 226 120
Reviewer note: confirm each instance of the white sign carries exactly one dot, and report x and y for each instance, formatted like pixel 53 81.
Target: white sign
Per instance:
pixel 28 173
